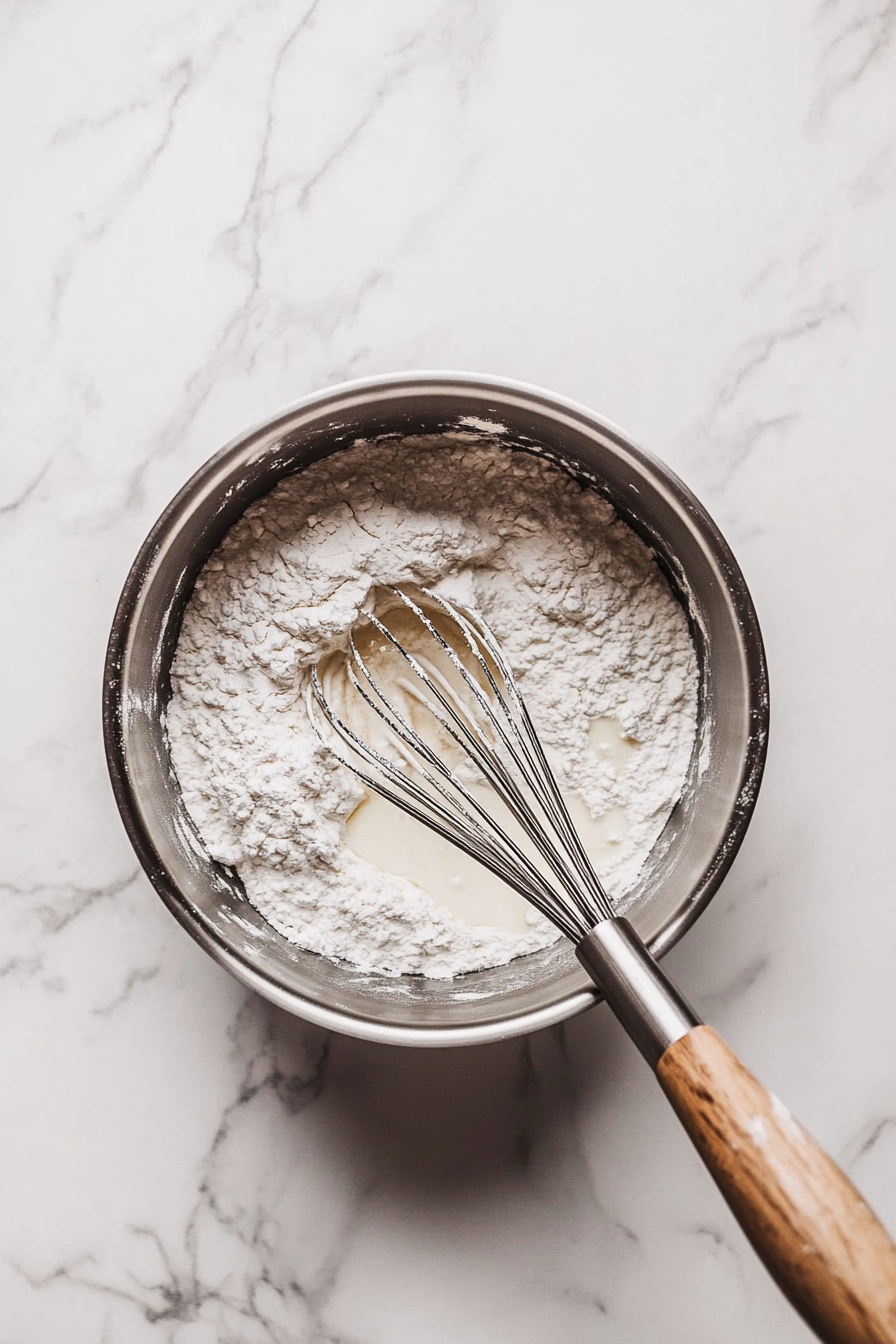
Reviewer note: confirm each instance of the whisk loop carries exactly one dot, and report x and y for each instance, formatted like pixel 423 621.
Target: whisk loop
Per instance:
pixel 469 708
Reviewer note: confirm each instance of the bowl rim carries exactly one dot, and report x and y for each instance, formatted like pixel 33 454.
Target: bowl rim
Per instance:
pixel 125 792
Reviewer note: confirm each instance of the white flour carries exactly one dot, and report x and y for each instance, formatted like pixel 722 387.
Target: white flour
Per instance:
pixel 590 627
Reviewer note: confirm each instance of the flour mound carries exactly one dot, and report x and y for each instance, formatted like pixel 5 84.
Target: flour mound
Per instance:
pixel 590 627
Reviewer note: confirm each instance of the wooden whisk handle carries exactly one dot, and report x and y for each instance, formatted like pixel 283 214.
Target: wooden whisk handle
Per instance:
pixel 809 1225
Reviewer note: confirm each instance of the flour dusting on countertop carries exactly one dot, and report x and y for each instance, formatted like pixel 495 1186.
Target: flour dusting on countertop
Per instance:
pixel 590 626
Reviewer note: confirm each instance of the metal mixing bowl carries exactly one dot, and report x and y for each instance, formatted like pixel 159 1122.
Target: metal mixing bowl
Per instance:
pixel 701 838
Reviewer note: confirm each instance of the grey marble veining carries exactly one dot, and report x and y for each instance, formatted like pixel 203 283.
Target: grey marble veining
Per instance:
pixel 682 216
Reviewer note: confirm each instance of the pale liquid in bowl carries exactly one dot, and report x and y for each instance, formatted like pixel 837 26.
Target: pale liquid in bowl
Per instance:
pixel 396 843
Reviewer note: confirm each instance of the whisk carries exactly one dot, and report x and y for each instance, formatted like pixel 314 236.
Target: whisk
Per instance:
pixel 424 707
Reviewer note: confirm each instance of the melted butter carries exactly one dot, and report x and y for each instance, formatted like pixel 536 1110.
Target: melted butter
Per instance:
pixel 381 833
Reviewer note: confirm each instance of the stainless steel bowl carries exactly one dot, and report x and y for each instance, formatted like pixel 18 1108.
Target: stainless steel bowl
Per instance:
pixel 702 835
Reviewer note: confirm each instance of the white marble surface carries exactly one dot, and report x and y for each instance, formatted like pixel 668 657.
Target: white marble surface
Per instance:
pixel 682 215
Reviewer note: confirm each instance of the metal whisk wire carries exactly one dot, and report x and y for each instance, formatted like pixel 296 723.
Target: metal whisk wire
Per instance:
pixel 486 717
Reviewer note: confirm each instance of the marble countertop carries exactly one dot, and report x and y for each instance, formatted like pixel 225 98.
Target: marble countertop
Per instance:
pixel 682 216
